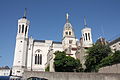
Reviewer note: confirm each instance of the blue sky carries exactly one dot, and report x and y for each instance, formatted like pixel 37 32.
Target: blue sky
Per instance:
pixel 47 19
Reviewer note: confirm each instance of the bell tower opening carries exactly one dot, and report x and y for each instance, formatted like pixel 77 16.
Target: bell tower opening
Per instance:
pixel 86 35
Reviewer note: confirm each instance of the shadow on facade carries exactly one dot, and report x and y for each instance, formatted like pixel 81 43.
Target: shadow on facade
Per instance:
pixel 36 78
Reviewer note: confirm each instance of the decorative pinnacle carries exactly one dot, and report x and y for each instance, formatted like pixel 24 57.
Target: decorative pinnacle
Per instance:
pixel 85 24
pixel 25 12
pixel 67 17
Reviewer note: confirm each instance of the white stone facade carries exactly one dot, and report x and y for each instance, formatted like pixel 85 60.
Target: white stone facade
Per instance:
pixel 87 37
pixel 115 44
pixel 36 55
pixel 5 71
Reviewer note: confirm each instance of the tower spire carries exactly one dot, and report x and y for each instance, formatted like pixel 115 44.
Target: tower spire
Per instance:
pixel 67 17
pixel 25 12
pixel 85 24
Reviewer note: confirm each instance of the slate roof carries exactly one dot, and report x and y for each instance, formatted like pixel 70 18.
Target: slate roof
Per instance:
pixel 114 41
pixel 6 67
pixel 43 41
pixel 54 42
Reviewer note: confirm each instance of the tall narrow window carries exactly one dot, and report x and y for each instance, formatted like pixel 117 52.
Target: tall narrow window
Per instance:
pixel 69 33
pixel 70 41
pixel 35 58
pixel 19 28
pixel 40 58
pixel 86 35
pixel 83 37
pixel 22 28
pixel 25 30
pixel 89 36
pixel 66 33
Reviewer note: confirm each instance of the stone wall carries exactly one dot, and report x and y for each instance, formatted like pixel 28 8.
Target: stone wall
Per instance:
pixel 72 76
pixel 110 69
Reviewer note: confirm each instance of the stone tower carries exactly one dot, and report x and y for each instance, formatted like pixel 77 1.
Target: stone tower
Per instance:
pixel 20 56
pixel 86 36
pixel 69 39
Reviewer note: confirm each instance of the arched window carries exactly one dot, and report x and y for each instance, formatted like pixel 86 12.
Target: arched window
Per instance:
pixel 69 33
pixel 66 33
pixel 86 35
pixel 38 57
pixel 83 37
pixel 25 30
pixel 70 41
pixel 19 28
pixel 22 28
pixel 35 58
pixel 89 36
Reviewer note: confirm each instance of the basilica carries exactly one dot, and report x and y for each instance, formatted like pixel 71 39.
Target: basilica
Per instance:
pixel 35 55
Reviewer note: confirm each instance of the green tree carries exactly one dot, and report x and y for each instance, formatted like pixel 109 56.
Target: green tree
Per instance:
pixel 114 58
pixel 107 61
pixel 47 69
pixel 95 54
pixel 65 63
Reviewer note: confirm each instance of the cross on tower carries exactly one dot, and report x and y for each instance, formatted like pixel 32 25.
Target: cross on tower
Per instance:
pixel 67 17
pixel 85 24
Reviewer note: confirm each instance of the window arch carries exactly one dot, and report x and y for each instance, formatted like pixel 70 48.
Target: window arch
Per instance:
pixel 38 57
pixel 38 51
